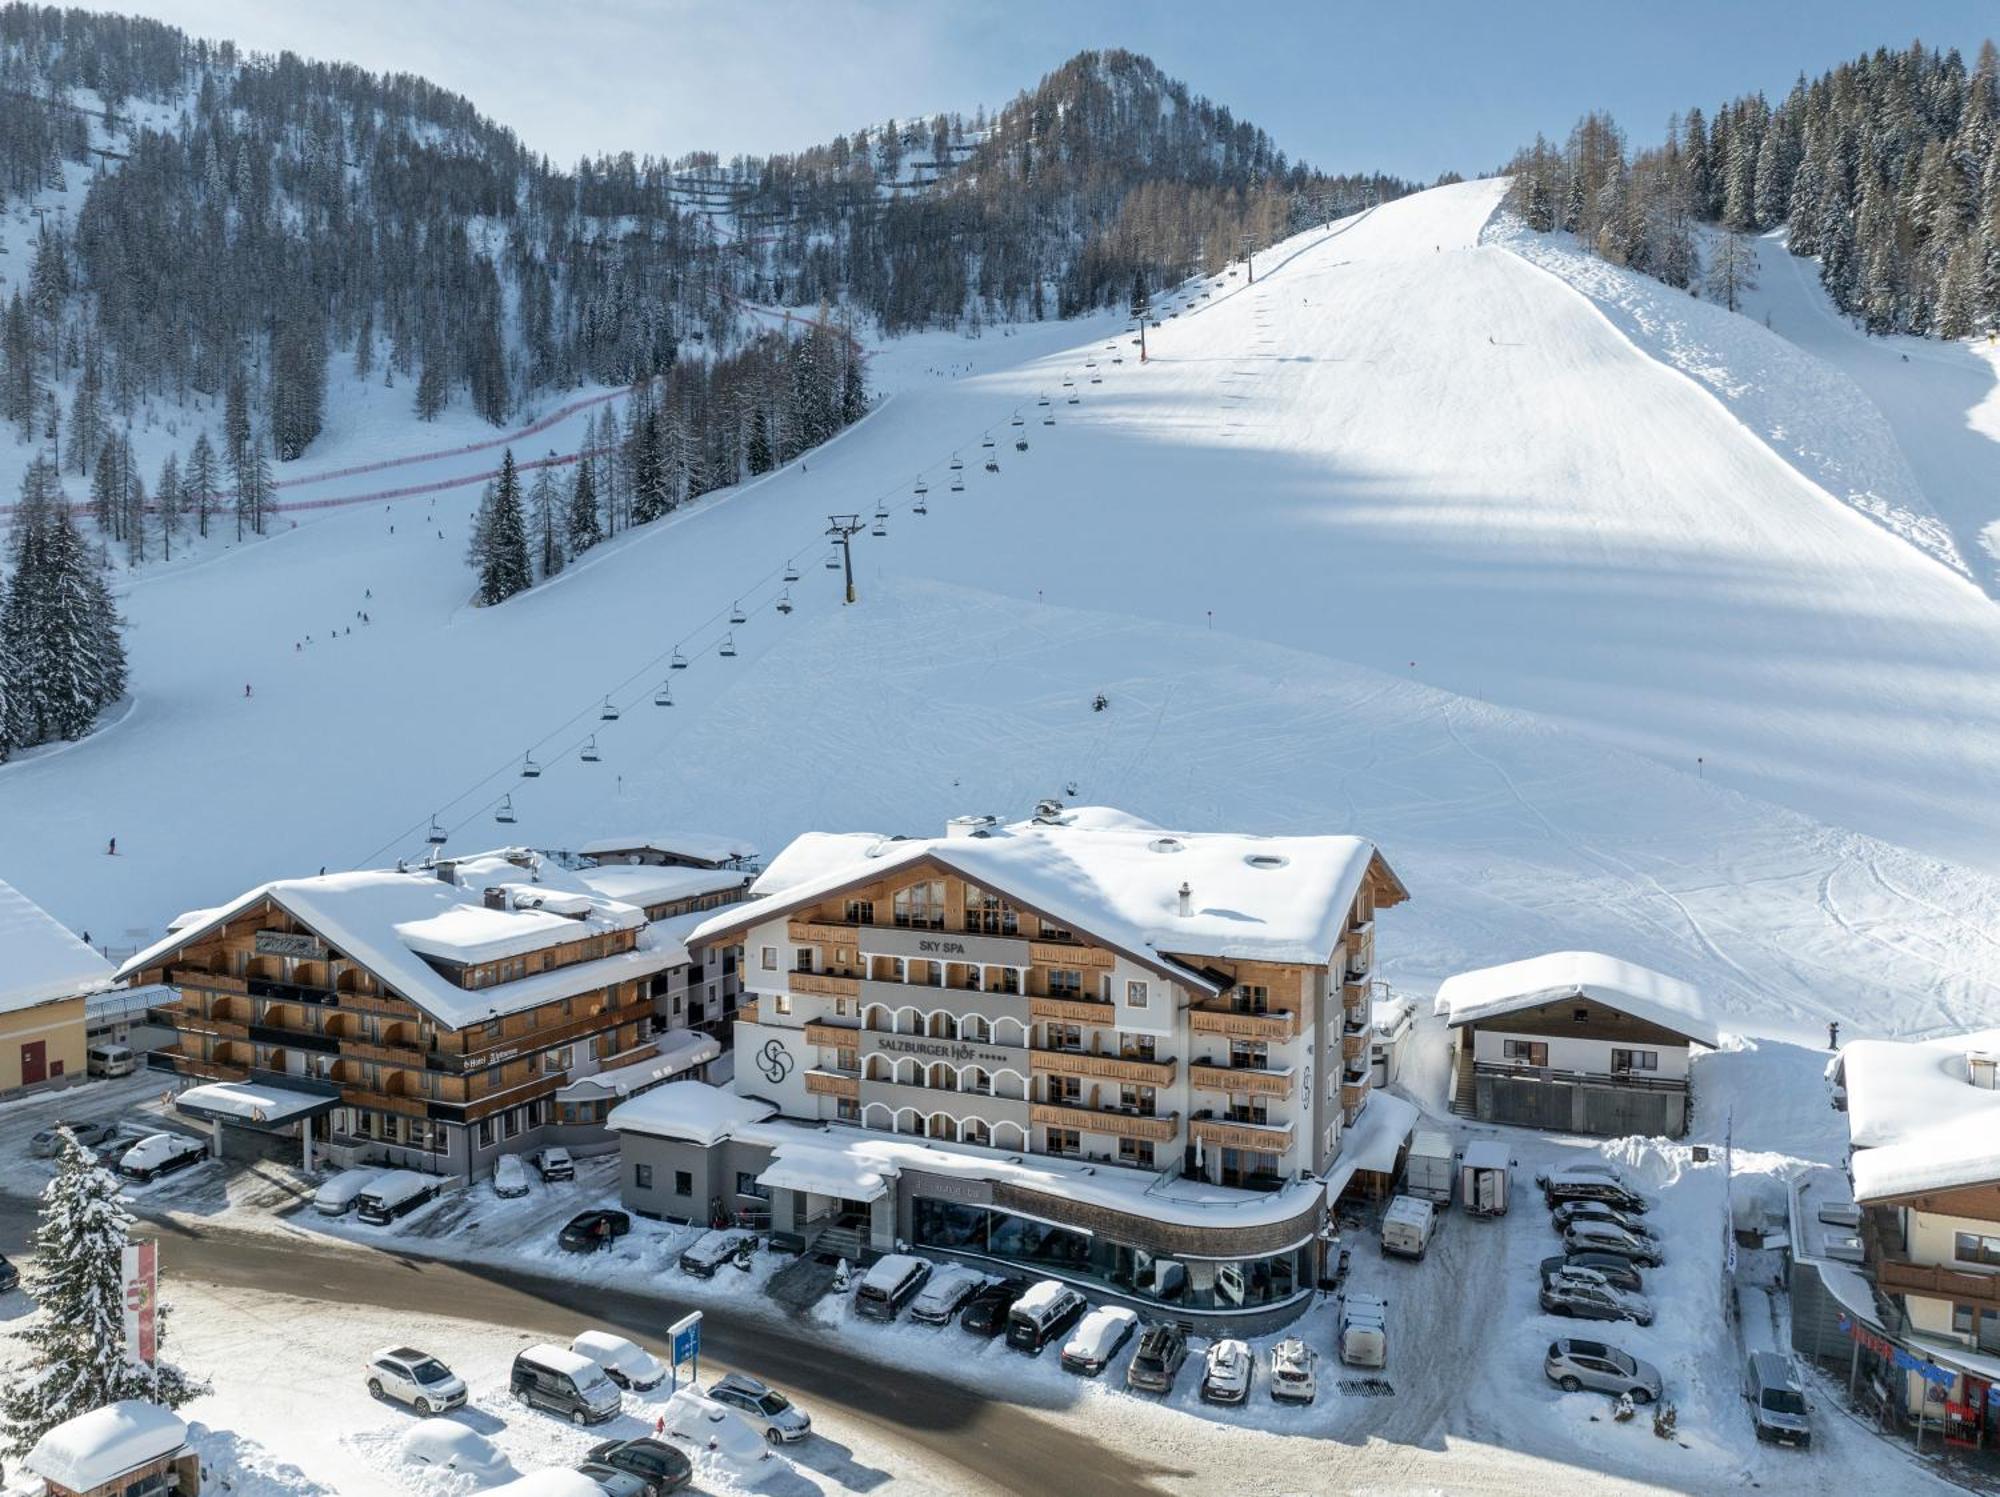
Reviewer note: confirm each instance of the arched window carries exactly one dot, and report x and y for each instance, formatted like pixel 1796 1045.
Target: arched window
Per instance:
pixel 974 1131
pixel 1009 1136
pixel 978 1080
pixel 974 1027
pixel 942 1126
pixel 943 1026
pixel 943 1077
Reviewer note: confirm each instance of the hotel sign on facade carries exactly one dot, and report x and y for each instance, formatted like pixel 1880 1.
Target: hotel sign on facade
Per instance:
pixel 290 943
pixel 951 1052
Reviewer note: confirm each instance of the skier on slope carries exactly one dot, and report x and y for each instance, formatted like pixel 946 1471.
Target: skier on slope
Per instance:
pixel 246 688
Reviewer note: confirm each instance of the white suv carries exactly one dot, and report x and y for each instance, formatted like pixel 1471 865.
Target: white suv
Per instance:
pixel 415 1378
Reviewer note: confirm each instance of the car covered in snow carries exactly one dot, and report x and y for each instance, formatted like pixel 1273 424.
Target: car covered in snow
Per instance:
pixel 1045 1310
pixel 160 1154
pixel 891 1282
pixel 1598 1211
pixel 1294 1372
pixel 588 1231
pixel 1603 1237
pixel 1363 1340
pixel 695 1419
pixel 626 1363
pixel 762 1407
pixel 553 1164
pixel 394 1194
pixel 1226 1369
pixel 1583 1293
pixel 985 1314
pixel 946 1294
pixel 416 1378
pixel 447 1445
pixel 1616 1271
pixel 1574 1365
pixel 1592 1188
pixel 1584 1169
pixel 711 1250
pixel 612 1482
pixel 1157 1360
pixel 659 1464
pixel 47 1142
pixel 1778 1407
pixel 510 1177
pixel 1098 1337
pixel 338 1195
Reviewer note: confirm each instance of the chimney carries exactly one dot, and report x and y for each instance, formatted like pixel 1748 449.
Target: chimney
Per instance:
pixel 447 871
pixel 496 898
pixel 1187 900
pixel 1982 1069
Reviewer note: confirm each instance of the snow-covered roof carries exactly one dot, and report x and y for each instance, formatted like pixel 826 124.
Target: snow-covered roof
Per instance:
pixel 95 1448
pixel 1626 986
pixel 1372 1141
pixel 390 920
pixel 648 884
pixel 701 847
pixel 555 1481
pixel 1253 898
pixel 252 1101
pixel 1487 1154
pixel 40 959
pixel 674 1052
pixel 1388 1015
pixel 1916 1121
pixel 698 1113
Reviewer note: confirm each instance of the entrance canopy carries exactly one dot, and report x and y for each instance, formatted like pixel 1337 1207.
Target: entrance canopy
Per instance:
pixel 828 1172
pixel 253 1104
pixel 680 1051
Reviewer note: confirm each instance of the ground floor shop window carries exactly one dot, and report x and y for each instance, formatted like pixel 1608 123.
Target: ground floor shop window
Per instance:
pixel 1192 1283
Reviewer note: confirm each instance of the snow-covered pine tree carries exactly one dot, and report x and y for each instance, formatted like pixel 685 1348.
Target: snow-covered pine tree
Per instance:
pixel 79 661
pixel 198 488
pixel 23 385
pixel 254 488
pixel 1732 270
pixel 504 569
pixel 585 529
pixel 86 413
pixel 76 1354
pixel 545 505
pixel 433 386
pixel 167 502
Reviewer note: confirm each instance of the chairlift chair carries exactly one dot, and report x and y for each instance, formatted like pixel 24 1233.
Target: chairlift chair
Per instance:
pixel 728 649
pixel 590 754
pixel 1017 421
pixel 791 572
pixel 1074 398
pixel 957 484
pixel 956 465
pixel 679 662
pixel 986 439
pixel 1067 382
pixel 785 601
pixel 530 770
pixel 921 489
pixel 881 525
pixel 736 614
pixel 1044 400
pixel 1097 379
pixel 1049 419
pixel 993 465
pixel 664 697
pixel 506 811
pixel 920 508
pixel 832 562
pixel 436 835
pixel 1020 444
pixel 610 712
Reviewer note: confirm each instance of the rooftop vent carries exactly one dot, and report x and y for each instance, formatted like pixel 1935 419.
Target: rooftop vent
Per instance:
pixel 1049 812
pixel 1982 1069
pixel 1167 844
pixel 447 871
pixel 1266 860
pixel 1187 900
pixel 970 826
pixel 496 898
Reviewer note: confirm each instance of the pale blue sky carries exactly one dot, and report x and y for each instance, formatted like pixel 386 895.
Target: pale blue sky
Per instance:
pixel 1412 88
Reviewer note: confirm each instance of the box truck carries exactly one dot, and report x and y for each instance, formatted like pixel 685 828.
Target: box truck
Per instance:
pixel 1483 1178
pixel 1428 1175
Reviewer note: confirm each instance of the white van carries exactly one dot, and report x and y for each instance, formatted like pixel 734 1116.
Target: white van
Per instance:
pixel 1364 1330
pixel 110 1060
pixel 1408 1226
pixel 890 1283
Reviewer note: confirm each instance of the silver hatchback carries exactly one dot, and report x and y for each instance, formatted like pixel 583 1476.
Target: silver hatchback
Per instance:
pixel 1574 1365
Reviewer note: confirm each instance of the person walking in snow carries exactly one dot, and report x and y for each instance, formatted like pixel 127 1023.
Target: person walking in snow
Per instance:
pixel 246 688
pixel 1833 1036
pixel 111 848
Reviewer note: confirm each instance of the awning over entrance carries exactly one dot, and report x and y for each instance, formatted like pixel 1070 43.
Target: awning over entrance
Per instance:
pixel 253 1104
pixel 679 1051
pixel 826 1172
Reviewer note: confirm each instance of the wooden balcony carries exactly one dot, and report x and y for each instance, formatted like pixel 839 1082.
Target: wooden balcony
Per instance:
pixel 1352 1095
pixel 1277 1025
pixel 389 1055
pixel 375 1003
pixel 1361 950
pixel 833 1036
pixel 1259 1138
pixel 1356 995
pixel 1900 1276
pixel 1103 1067
pixel 819 933
pixel 825 985
pixel 1354 1044
pixel 215 982
pixel 747 1012
pixel 1157 1130
pixel 1249 1081
pixel 821 1083
pixel 1061 954
pixel 1073 1011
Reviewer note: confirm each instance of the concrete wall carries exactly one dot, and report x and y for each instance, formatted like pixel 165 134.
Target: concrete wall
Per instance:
pixel 1930 1233
pixel 711 1174
pixel 1570 1054
pixel 58 1027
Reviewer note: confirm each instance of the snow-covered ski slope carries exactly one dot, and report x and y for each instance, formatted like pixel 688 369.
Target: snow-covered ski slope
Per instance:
pixel 1406 539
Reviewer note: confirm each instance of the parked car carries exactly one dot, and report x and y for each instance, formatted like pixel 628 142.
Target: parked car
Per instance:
pixel 1598 1211
pixel 395 1194
pixel 107 1060
pixel 1045 1310
pixel 985 1314
pixel 711 1250
pixel 416 1378
pixel 654 1460
pixel 48 1142
pixel 1599 1169
pixel 10 1276
pixel 1364 1330
pixel 510 1177
pixel 695 1418
pixel 1157 1362
pixel 553 1164
pixel 1583 1292
pixel 160 1154
pixel 613 1482
pixel 946 1294
pixel 1294 1371
pixel 1778 1408
pixel 1618 1272
pixel 1098 1337
pixel 1602 1237
pixel 763 1408
pixel 891 1282
pixel 1408 1226
pixel 447 1445
pixel 626 1363
pixel 340 1194
pixel 1226 1370
pixel 1574 1365
pixel 588 1231
pixel 1587 1188
pixel 559 1381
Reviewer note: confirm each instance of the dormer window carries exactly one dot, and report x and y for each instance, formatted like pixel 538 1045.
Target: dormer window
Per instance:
pixel 1581 1015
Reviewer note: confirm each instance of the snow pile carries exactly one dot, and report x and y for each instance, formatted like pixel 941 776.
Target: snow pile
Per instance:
pixel 93 1449
pixel 1636 991
pixel 1917 1119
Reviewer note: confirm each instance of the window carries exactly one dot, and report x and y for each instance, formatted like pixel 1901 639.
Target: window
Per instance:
pixel 803 959
pixel 847 1110
pixel 1581 1015
pixel 1065 1141
pixel 1528 1052
pixel 1137 1099
pixel 746 1185
pixel 1064 982
pixel 683 1183
pixel 1963 1320
pixel 1250 998
pixel 642 1177
pixel 782 1002
pixel 985 912
pixel 769 959
pixel 1635 1060
pixel 1249 1055
pixel 1052 932
pixel 1136 1046
pixel 1065 1091
pixel 1135 993
pixel 1137 1151
pixel 1010 980
pixel 1971 1247
pixel 920 906
pixel 973 1027
pixel 860 912
pixel 1065 1037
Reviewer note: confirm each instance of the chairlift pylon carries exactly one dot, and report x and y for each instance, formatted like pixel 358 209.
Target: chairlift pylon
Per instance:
pixel 664 697
pixel 590 754
pixel 610 712
pixel 728 649
pixel 736 614
pixel 530 770
pixel 506 811
pixel 436 835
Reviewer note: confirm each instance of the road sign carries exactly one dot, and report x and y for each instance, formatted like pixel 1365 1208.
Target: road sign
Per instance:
pixel 684 1336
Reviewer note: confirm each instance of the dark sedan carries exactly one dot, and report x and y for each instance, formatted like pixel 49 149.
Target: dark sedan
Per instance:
pixel 985 1314
pixel 1618 1272
pixel 657 1463
pixel 590 1230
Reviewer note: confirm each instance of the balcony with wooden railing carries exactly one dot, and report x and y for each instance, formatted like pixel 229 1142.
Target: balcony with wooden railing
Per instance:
pixel 824 984
pixel 1250 1081
pixel 747 1012
pixel 1357 996
pixel 1229 1133
pixel 824 1083
pixel 1353 1044
pixel 1063 1010
pixel 1353 1094
pixel 215 982
pixel 1158 1129
pixel 833 1036
pixel 820 933
pixel 1361 950
pixel 1104 1067
pixel 1278 1024
pixel 1900 1276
